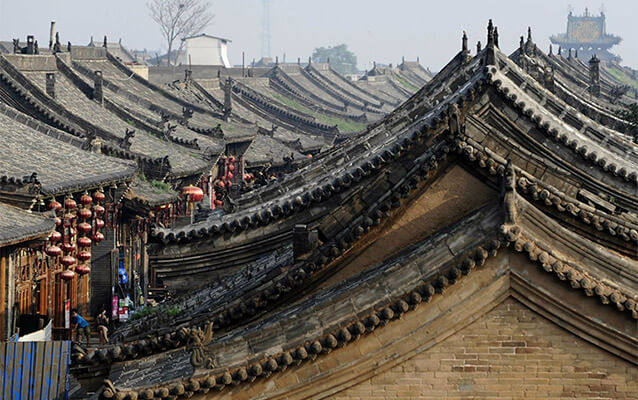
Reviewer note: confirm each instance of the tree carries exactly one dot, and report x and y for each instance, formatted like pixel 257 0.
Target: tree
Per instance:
pixel 179 19
pixel 341 59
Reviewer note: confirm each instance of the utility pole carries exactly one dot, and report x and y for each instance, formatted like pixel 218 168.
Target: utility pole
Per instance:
pixel 265 29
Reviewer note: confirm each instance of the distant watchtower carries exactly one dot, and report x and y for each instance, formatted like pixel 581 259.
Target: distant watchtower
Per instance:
pixel 588 34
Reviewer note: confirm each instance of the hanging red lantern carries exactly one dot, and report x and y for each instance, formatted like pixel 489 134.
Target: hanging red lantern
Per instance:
pixel 82 270
pixel 85 227
pixel 53 251
pixel 68 260
pixel 97 237
pixel 85 213
pixel 194 193
pixel 55 237
pixel 229 184
pixel 84 256
pixel 86 199
pixel 84 242
pixel 70 204
pixel 55 205
pixel 231 159
pixel 98 210
pixel 58 221
pixel 67 275
pixel 230 175
pixel 99 223
pixel 68 247
pixel 231 167
pixel 98 196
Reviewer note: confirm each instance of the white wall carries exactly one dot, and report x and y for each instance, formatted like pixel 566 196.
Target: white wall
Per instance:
pixel 205 50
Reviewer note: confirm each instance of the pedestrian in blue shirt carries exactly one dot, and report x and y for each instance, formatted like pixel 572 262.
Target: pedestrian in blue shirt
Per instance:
pixel 80 326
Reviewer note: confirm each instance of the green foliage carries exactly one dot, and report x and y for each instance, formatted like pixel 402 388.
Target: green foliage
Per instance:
pixel 405 83
pixel 131 122
pixel 142 177
pixel 343 124
pixel 162 312
pixel 342 60
pixel 146 311
pixel 161 185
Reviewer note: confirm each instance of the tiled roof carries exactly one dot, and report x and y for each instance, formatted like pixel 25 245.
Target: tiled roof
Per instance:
pixel 60 166
pixel 145 192
pixel 18 225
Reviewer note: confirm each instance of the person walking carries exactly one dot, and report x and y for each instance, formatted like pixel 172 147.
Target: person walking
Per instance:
pixel 103 326
pixel 80 326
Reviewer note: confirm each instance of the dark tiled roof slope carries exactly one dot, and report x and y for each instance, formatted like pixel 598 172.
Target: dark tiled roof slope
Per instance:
pixel 18 225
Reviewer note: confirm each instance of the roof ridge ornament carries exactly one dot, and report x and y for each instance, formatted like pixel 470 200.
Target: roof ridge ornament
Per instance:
pixel 465 51
pixel 490 55
pixel 200 339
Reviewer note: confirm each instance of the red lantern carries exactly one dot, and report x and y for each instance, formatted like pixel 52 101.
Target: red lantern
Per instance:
pixel 221 183
pixel 86 199
pixel 98 196
pixel 85 227
pixel 70 204
pixel 85 213
pixel 231 167
pixel 58 222
pixel 229 184
pixel 84 256
pixel 67 275
pixel 55 237
pixel 194 193
pixel 230 176
pixel 68 247
pixel 98 210
pixel 82 270
pixel 53 251
pixel 84 242
pixel 97 237
pixel 231 159
pixel 99 223
pixel 55 205
pixel 68 260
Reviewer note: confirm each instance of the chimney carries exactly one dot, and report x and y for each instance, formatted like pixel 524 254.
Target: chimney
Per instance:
pixel 304 241
pixel 98 94
pixel 50 84
pixel 52 35
pixel 30 45
pixel 594 76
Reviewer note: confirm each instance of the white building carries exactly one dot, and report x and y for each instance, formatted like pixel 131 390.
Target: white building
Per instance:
pixel 205 49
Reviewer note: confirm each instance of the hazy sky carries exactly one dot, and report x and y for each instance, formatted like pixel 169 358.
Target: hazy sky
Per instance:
pixel 375 30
